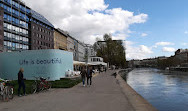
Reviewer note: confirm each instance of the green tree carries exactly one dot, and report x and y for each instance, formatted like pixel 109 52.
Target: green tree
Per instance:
pixel 112 51
pixel 169 62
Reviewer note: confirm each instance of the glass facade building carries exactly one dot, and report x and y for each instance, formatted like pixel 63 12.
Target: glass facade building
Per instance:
pixel 14 29
pixel 22 28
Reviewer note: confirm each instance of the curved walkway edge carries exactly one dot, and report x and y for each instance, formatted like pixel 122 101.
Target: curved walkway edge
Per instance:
pixel 136 100
pixel 105 94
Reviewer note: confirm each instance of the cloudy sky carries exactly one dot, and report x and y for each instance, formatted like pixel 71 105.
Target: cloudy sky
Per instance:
pixel 150 27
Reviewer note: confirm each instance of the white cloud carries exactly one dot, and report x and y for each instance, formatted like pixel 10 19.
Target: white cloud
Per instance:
pixel 87 19
pixel 145 49
pixel 185 44
pixel 140 52
pixel 186 32
pixel 119 36
pixel 163 43
pixel 144 34
pixel 168 49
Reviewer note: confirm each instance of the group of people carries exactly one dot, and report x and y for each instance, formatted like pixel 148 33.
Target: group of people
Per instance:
pixel 86 73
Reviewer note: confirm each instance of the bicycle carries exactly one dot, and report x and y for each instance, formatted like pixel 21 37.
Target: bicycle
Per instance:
pixel 6 90
pixel 44 84
pixel 40 84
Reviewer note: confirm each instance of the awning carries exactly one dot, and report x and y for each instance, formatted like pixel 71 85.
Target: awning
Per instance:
pixel 79 63
pixel 97 63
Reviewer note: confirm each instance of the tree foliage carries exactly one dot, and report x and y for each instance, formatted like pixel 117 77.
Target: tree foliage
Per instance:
pixel 112 51
pixel 169 62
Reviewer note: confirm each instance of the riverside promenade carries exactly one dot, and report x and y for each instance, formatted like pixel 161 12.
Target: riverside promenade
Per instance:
pixel 105 94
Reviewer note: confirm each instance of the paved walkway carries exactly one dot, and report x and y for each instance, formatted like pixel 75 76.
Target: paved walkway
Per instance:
pixel 105 94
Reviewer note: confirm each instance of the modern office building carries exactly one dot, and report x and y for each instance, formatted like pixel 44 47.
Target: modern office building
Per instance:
pixel 60 39
pixel 14 26
pixel 41 32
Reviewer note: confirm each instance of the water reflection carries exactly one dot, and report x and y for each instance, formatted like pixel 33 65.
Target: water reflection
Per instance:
pixel 164 90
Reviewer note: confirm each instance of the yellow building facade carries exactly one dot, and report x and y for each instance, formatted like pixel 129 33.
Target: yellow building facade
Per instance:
pixel 60 40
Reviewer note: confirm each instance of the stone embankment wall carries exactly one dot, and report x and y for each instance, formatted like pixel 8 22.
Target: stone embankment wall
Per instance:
pixel 136 100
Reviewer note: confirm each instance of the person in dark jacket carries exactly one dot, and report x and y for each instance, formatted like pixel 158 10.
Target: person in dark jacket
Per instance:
pixel 21 81
pixel 89 76
pixel 83 75
pixel 99 70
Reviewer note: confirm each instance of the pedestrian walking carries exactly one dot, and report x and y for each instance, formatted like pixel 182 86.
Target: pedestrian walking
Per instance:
pixel 115 74
pixel 89 76
pixel 21 82
pixel 99 70
pixel 83 75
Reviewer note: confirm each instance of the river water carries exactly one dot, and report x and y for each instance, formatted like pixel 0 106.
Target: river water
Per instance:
pixel 165 91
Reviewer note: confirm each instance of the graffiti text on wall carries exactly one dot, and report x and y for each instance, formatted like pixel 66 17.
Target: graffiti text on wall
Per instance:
pixel 40 61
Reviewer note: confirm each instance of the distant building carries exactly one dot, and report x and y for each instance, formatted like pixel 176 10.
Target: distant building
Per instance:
pixel 97 62
pixel 75 53
pixel 162 58
pixel 41 32
pixel 182 55
pixel 95 59
pixel 151 62
pixel 72 46
pixel 60 39
pixel 70 43
pixel 89 50
pixel 134 63
pixel 81 52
